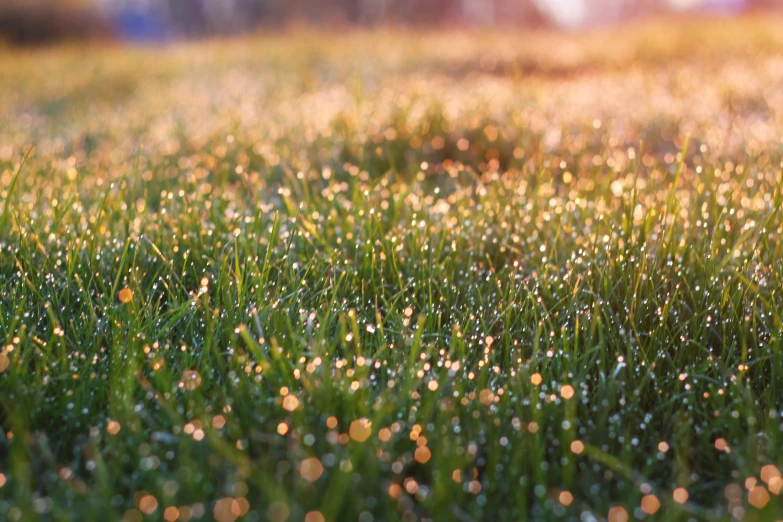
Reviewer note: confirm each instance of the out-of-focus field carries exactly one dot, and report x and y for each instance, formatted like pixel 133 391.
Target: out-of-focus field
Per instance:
pixel 379 276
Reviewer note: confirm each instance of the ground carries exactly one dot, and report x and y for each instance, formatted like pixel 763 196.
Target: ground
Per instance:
pixel 395 275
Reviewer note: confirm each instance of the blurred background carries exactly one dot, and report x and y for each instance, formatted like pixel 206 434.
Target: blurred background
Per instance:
pixel 33 22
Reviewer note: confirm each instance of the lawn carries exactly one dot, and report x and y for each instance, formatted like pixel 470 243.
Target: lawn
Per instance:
pixel 388 275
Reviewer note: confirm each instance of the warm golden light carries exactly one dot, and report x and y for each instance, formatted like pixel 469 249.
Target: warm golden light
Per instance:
pixel 360 430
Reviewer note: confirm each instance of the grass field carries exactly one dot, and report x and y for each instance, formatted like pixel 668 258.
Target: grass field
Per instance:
pixel 378 276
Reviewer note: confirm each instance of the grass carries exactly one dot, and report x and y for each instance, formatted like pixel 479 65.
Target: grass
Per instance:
pixel 395 276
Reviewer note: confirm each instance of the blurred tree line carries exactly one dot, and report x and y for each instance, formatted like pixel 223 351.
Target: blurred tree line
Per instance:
pixel 210 16
pixel 34 21
pixel 39 21
pixel 218 16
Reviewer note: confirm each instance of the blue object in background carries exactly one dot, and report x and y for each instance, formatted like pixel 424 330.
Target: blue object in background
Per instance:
pixel 140 26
